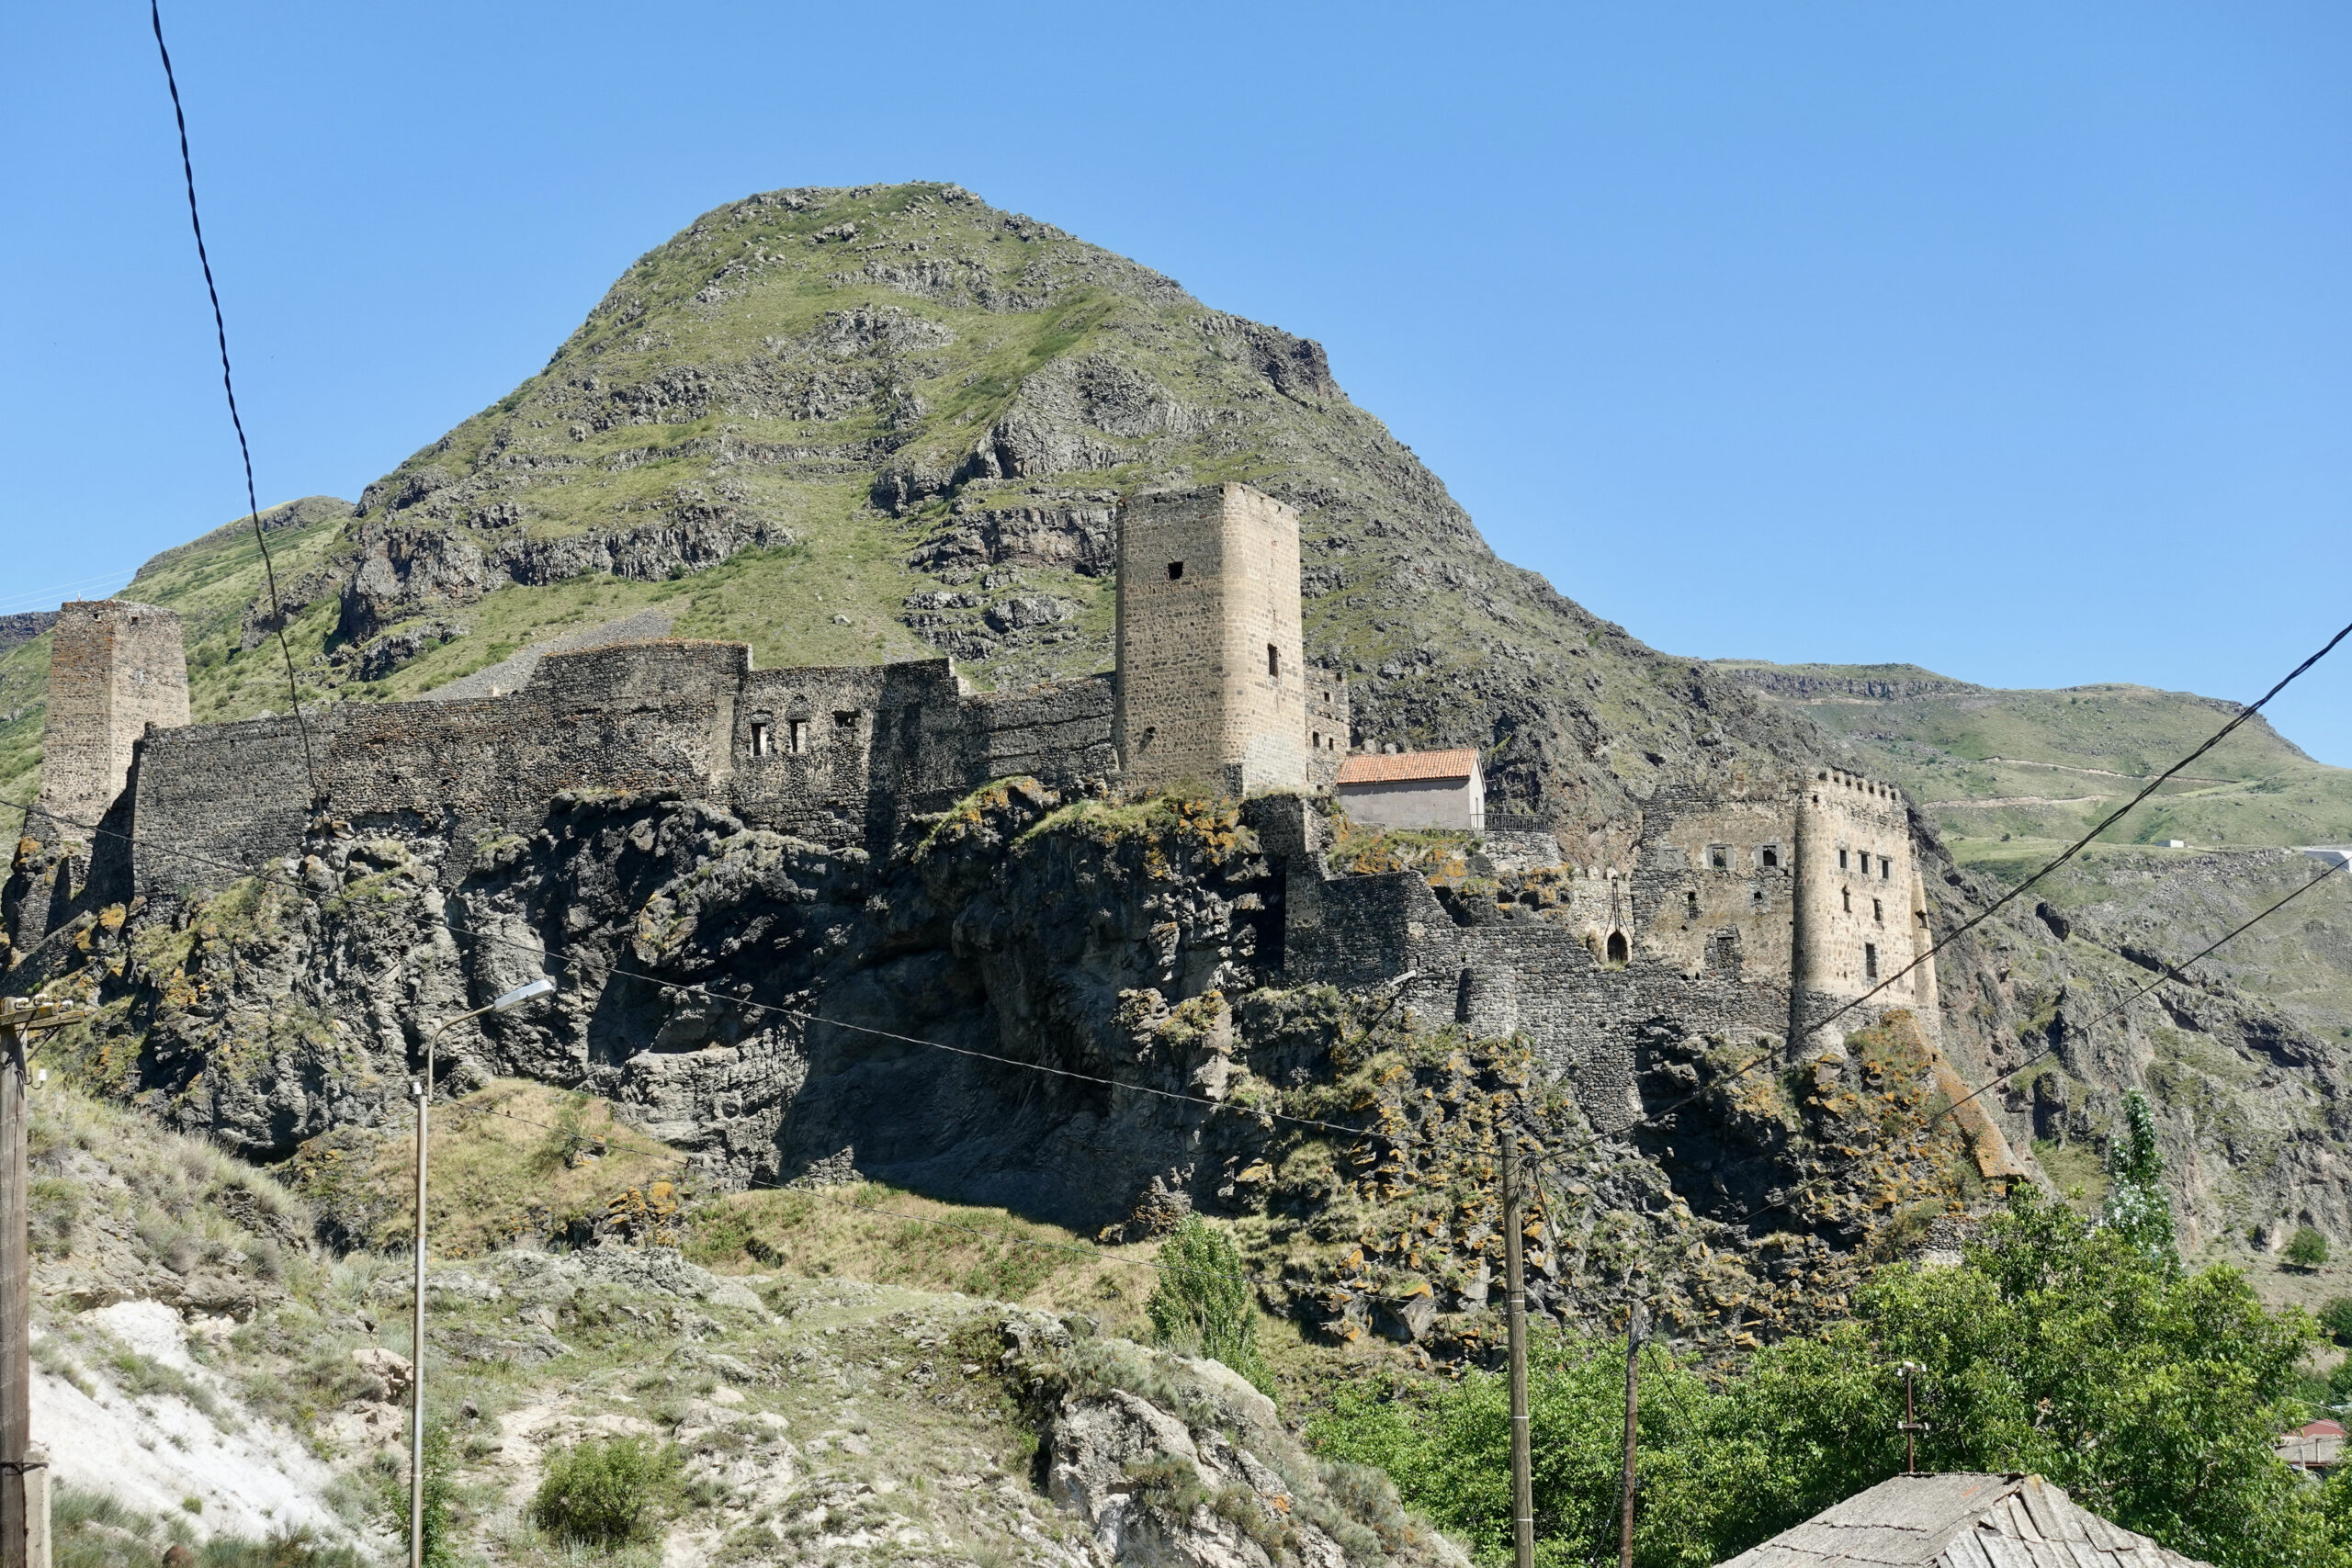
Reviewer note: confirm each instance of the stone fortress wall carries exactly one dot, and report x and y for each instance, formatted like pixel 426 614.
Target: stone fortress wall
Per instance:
pixel 1744 914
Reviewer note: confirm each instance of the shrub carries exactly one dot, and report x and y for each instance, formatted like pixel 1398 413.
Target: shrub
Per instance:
pixel 1202 1304
pixel 2337 1318
pixel 604 1494
pixel 438 1490
pixel 2308 1250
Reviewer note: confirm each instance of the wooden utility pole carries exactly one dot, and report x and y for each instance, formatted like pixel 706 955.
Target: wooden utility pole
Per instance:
pixel 1637 1329
pixel 24 1494
pixel 1912 1426
pixel 1522 1485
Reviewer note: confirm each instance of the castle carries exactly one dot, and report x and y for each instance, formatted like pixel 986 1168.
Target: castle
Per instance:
pixel 1746 915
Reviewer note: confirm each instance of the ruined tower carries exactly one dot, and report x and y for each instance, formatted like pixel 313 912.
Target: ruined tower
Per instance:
pixel 114 669
pixel 1860 912
pixel 1212 685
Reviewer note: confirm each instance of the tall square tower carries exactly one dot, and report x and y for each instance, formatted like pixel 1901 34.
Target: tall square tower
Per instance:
pixel 114 669
pixel 1212 684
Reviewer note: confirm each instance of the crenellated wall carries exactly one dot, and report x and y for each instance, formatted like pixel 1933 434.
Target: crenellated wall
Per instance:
pixel 1860 912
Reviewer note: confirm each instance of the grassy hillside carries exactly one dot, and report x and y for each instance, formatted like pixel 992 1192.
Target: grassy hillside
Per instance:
pixel 1989 765
pixel 2011 777
pixel 850 425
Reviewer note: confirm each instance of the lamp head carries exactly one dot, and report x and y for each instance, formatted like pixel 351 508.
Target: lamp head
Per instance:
pixel 542 986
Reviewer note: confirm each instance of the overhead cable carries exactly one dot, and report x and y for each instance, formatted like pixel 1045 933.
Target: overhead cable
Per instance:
pixel 1994 907
pixel 229 385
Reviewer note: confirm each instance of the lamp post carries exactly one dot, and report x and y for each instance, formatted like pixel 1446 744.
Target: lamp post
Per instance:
pixel 422 1092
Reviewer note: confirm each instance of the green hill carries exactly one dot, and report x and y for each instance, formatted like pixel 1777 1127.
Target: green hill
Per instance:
pixel 2010 777
pixel 851 425
pixel 1991 765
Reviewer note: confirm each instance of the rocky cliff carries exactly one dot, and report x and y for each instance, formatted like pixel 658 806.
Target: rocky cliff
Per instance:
pixel 853 424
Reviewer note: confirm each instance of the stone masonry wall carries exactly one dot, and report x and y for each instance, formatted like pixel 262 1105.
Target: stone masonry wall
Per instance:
pixel 839 756
pixel 1212 683
pixel 1860 916
pixel 115 669
pixel 1329 725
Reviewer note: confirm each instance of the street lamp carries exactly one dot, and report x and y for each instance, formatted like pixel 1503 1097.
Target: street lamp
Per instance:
pixel 422 1092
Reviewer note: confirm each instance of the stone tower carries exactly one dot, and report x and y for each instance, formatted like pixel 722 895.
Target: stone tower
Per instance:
pixel 114 669
pixel 1212 686
pixel 1860 912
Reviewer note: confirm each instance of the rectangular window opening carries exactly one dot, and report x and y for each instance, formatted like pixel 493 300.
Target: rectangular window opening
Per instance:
pixel 1885 868
pixel 1274 661
pixel 1841 860
pixel 1175 570
pixel 844 721
pixel 1870 960
pixel 799 736
pixel 763 742
pixel 1878 911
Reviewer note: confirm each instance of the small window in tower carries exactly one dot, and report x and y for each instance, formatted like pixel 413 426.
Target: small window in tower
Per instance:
pixel 1846 896
pixel 1770 854
pixel 844 721
pixel 1841 860
pixel 1870 961
pixel 799 736
pixel 1756 897
pixel 1273 660
pixel 1315 741
pixel 1175 570
pixel 1719 857
pixel 1878 911
pixel 1619 950
pixel 1691 905
pixel 1885 868
pixel 763 742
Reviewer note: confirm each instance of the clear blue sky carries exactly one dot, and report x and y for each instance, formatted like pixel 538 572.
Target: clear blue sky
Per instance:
pixel 2012 340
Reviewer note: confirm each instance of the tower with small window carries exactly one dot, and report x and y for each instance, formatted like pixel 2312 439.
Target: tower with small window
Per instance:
pixel 1860 911
pixel 115 669
pixel 1212 683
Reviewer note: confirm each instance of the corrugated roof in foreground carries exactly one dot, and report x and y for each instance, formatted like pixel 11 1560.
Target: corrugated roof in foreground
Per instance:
pixel 1960 1521
pixel 1406 767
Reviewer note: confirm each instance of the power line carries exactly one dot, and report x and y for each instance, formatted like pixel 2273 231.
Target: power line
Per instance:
pixel 755 1185
pixel 16 602
pixel 2013 894
pixel 2172 972
pixel 229 385
pixel 1646 1118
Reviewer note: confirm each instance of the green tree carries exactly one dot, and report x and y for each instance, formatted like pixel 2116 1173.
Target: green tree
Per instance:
pixel 2138 1208
pixel 1202 1304
pixel 2155 1397
pixel 2153 1394
pixel 2337 1318
pixel 2308 1250
pixel 1448 1449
